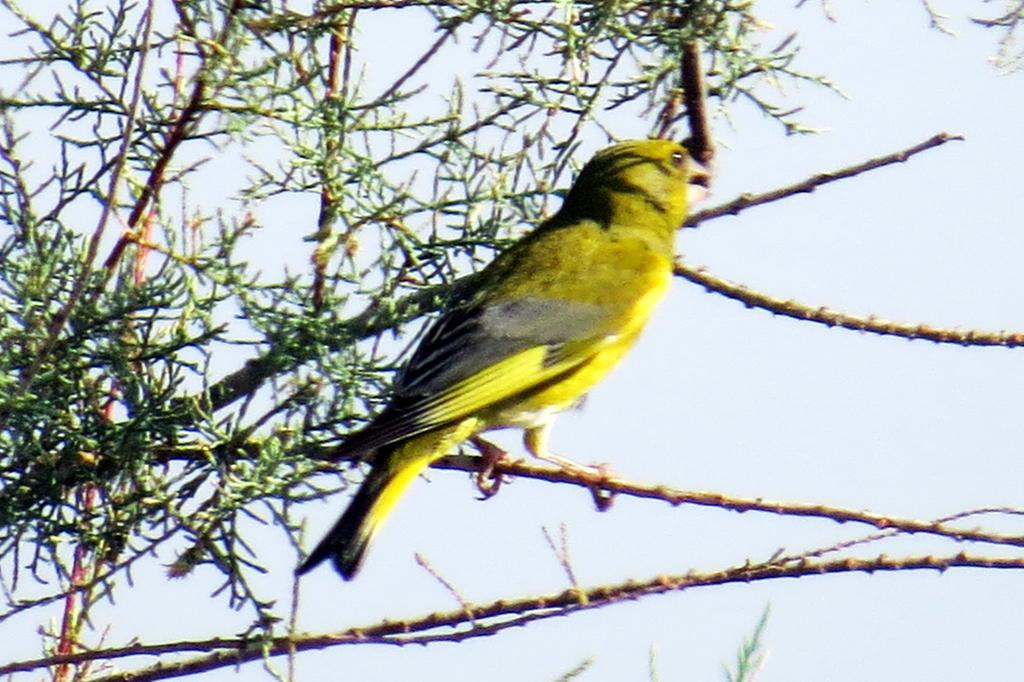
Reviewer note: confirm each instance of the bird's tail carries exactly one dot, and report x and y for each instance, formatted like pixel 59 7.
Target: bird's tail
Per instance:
pixel 347 541
pixel 393 470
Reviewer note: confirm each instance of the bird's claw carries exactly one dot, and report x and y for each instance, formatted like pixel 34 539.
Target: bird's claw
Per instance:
pixel 603 498
pixel 595 476
pixel 488 479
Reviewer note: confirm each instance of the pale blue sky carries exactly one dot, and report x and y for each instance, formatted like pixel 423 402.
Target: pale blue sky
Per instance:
pixel 723 398
pixel 719 397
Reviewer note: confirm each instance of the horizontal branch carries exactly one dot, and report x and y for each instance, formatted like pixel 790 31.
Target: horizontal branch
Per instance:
pixel 745 201
pixel 475 621
pixel 833 318
pixel 674 496
pixel 611 486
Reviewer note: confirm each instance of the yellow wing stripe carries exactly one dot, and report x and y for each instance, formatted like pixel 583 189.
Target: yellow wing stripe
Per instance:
pixel 508 378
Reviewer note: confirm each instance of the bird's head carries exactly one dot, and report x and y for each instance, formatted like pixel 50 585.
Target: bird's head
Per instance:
pixel 653 180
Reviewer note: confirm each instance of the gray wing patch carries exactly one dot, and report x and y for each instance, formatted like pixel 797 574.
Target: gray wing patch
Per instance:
pixel 467 341
pixel 542 320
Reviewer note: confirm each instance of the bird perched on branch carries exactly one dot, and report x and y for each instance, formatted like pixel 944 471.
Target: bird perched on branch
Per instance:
pixel 536 330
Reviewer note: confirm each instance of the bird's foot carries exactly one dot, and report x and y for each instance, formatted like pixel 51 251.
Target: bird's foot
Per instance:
pixel 603 498
pixel 594 476
pixel 488 480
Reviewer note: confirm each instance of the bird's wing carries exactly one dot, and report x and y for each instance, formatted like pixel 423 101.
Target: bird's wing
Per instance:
pixel 479 355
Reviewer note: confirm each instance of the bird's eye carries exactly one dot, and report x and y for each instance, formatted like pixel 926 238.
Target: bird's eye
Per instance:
pixel 678 159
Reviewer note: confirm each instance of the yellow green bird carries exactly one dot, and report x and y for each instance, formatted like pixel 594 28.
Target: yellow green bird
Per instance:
pixel 540 326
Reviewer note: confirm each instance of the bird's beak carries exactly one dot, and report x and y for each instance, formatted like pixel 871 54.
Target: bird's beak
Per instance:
pixel 698 185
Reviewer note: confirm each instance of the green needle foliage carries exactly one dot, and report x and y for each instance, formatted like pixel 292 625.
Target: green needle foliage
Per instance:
pixel 751 654
pixel 159 389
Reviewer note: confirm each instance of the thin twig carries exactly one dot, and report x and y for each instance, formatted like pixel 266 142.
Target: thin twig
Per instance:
pixel 333 140
pixel 675 497
pixel 701 143
pixel 412 70
pixel 561 552
pixel 121 158
pixel 494 617
pixel 746 201
pixel 448 586
pixel 104 578
pixel 834 318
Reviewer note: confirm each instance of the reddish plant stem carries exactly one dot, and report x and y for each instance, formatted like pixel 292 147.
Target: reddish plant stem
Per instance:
pixel 76 600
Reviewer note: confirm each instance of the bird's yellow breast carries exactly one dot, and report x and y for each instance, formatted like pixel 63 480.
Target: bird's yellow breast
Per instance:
pixel 623 271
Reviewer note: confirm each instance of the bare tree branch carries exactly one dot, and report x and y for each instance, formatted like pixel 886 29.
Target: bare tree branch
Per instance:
pixel 834 318
pixel 676 497
pixel 485 620
pixel 745 201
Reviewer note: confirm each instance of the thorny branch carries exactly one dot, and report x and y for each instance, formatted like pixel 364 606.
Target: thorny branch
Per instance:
pixel 746 201
pixel 834 318
pixel 484 620
pixel 674 496
pixel 437 141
